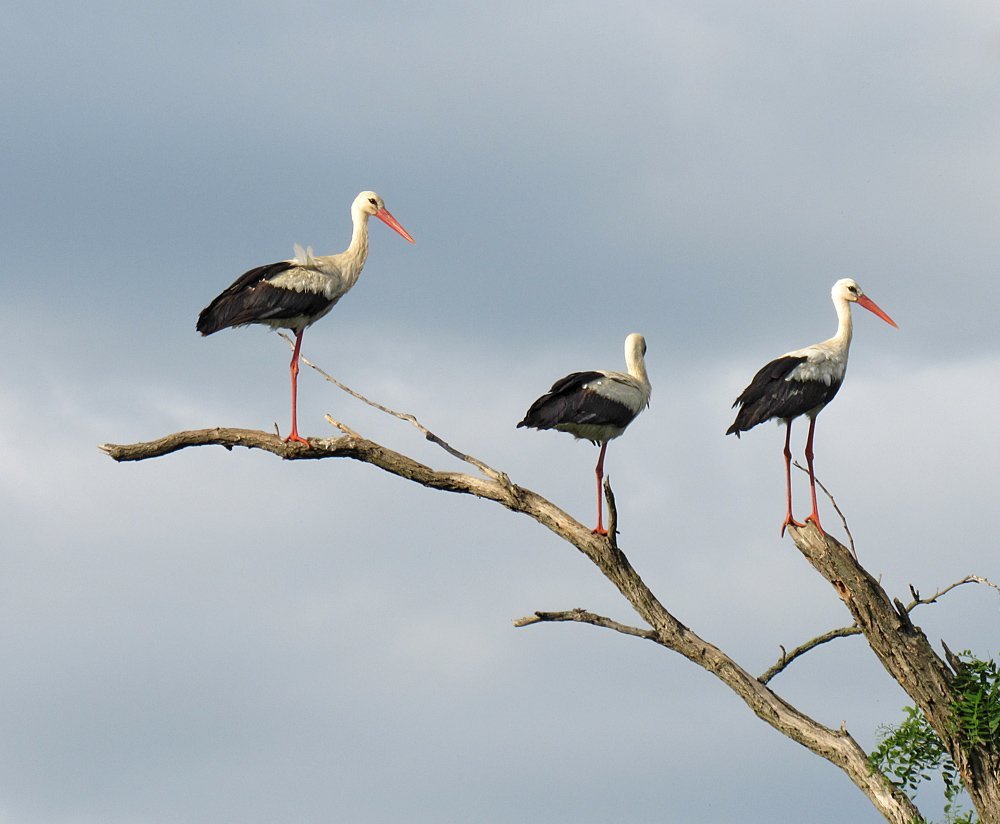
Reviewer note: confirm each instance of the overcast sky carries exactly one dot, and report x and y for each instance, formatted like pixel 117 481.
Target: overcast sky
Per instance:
pixel 218 636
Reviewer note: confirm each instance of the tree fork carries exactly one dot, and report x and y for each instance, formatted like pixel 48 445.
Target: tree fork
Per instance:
pixel 908 657
pixel 902 648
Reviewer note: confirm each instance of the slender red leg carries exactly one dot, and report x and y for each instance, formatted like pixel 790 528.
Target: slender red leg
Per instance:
pixel 812 476
pixel 294 369
pixel 599 529
pixel 788 478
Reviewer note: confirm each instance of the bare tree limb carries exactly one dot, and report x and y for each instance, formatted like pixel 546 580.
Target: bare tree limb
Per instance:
pixel 968 579
pixel 835 745
pixel 403 416
pixel 845 632
pixel 224 437
pixel 908 657
pixel 516 498
pixel 582 616
pixel 343 427
pixel 609 496
pixel 787 658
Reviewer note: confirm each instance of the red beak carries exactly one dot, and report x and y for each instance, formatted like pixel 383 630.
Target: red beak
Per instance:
pixel 873 307
pixel 389 220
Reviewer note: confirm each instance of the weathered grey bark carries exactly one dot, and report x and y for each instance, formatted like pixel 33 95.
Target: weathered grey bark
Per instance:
pixel 902 648
pixel 908 657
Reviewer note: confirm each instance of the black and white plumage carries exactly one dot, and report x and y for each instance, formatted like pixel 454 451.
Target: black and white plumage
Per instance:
pixel 802 382
pixel 294 294
pixel 597 406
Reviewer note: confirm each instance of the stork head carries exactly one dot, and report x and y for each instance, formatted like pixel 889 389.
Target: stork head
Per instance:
pixel 635 346
pixel 635 353
pixel 847 290
pixel 369 203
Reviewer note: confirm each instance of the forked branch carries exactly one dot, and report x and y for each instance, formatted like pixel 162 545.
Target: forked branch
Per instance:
pixel 845 632
pixel 908 657
pixel 836 745
pixel 403 416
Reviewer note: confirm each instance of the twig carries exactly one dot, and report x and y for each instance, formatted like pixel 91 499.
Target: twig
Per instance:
pixel 843 632
pixel 787 658
pixel 584 617
pixel 343 427
pixel 843 518
pixel 612 512
pixel 978 579
pixel 968 579
pixel 403 416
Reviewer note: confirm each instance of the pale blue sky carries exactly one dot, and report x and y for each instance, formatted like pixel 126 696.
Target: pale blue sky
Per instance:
pixel 223 637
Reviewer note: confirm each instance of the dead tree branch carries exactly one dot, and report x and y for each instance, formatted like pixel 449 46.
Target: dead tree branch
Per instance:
pixel 845 632
pixel 835 745
pixel 609 496
pixel 584 617
pixel 403 416
pixel 968 579
pixel 787 658
pixel 907 656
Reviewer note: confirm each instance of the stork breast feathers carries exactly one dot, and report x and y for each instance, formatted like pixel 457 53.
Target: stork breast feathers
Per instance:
pixel 821 366
pixel 620 388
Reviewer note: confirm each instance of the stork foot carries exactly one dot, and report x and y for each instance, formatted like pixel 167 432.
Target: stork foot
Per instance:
pixel 790 521
pixel 599 530
pixel 296 438
pixel 814 519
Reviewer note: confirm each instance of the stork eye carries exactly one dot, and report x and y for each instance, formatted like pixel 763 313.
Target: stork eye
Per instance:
pixel 852 289
pixel 372 201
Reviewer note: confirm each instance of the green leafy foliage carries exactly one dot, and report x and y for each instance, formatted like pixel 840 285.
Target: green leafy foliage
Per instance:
pixel 976 712
pixel 910 752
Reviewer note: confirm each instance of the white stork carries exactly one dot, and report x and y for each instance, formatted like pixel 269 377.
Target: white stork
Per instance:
pixel 802 382
pixel 596 406
pixel 294 294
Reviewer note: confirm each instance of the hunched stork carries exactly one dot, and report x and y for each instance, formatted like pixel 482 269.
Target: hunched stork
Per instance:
pixel 294 294
pixel 802 382
pixel 597 406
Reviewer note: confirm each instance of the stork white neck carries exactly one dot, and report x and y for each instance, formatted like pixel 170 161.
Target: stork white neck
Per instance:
pixel 845 324
pixel 357 251
pixel 635 358
pixel 346 266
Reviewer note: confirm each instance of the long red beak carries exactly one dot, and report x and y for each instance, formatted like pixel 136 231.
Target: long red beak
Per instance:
pixel 873 307
pixel 389 220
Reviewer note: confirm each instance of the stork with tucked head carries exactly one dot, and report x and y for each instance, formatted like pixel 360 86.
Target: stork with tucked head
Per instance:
pixel 294 294
pixel 803 382
pixel 597 406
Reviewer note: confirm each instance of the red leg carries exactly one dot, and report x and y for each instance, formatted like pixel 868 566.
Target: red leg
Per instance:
pixel 812 476
pixel 788 478
pixel 294 369
pixel 599 529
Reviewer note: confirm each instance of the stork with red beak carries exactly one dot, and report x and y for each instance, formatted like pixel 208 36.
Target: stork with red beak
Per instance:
pixel 803 382
pixel 294 294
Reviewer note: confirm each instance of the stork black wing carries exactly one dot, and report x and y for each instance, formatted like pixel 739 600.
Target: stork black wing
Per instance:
pixel 569 401
pixel 252 299
pixel 771 395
